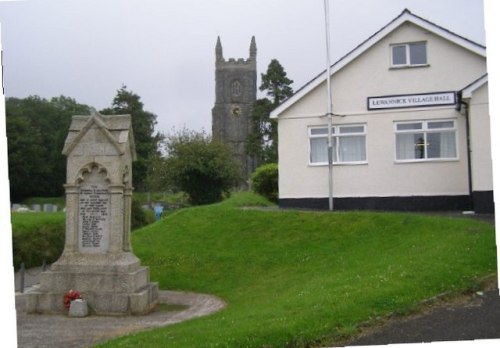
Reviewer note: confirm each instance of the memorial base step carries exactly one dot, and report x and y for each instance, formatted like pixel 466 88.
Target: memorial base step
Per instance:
pixel 140 302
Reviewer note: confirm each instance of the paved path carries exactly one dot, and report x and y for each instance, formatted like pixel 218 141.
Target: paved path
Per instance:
pixel 471 317
pixel 36 330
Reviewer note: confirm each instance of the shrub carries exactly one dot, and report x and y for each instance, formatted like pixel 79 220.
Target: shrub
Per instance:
pixel 139 217
pixel 37 237
pixel 202 168
pixel 265 181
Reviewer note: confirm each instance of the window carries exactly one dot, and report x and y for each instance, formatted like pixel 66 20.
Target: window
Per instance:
pixel 236 88
pixel 425 140
pixel 348 144
pixel 410 54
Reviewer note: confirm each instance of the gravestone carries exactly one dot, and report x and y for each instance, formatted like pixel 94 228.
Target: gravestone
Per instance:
pixel 97 260
pixel 36 208
pixel 49 208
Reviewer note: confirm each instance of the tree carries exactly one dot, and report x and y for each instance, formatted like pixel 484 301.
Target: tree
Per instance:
pixel 143 123
pixel 275 82
pixel 36 130
pixel 262 142
pixel 199 166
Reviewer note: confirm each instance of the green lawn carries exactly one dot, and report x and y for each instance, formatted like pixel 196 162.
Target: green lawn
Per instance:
pixel 294 279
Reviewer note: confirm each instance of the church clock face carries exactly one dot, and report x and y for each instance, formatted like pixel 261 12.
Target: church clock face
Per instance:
pixel 236 111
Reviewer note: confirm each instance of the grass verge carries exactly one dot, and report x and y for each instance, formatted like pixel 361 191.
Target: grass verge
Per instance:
pixel 294 279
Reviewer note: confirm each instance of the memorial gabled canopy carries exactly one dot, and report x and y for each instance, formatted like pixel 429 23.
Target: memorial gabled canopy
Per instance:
pixel 116 129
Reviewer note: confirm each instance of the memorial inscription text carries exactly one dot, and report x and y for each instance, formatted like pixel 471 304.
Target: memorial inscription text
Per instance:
pixel 94 201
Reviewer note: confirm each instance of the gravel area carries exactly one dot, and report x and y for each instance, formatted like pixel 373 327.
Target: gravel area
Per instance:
pixel 40 330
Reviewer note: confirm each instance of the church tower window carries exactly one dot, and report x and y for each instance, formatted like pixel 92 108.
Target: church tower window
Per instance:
pixel 236 88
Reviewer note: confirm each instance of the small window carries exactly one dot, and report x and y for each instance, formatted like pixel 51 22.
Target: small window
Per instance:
pixel 440 124
pixel 351 129
pixel 408 126
pixel 410 54
pixel 320 131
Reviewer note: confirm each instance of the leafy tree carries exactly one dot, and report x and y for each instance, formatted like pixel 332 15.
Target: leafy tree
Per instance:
pixel 275 82
pixel 143 123
pixel 36 130
pixel 199 166
pixel 262 142
pixel 155 180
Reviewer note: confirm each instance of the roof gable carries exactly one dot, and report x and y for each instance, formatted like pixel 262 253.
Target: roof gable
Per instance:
pixel 117 130
pixel 405 16
pixel 474 86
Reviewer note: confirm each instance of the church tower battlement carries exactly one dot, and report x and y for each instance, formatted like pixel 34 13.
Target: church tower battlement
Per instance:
pixel 235 95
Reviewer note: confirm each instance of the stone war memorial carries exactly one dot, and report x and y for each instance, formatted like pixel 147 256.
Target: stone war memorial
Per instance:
pixel 97 260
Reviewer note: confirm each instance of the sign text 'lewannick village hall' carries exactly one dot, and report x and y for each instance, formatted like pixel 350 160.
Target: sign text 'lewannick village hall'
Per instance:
pixel 412 100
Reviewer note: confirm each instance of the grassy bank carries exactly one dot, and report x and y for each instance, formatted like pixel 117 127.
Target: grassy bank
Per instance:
pixel 298 278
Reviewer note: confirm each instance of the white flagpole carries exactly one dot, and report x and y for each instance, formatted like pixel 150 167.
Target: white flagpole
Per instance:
pixel 329 107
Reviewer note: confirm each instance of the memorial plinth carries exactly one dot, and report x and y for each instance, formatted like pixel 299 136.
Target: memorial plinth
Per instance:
pixel 97 260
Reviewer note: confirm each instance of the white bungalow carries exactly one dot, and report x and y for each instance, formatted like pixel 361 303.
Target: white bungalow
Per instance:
pixel 411 127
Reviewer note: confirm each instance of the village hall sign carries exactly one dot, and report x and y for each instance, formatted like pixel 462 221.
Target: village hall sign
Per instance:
pixel 412 100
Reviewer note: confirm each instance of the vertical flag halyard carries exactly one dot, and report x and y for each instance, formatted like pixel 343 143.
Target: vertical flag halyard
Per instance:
pixel 329 113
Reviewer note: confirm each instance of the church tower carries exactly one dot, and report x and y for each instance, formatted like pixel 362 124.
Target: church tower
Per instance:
pixel 235 94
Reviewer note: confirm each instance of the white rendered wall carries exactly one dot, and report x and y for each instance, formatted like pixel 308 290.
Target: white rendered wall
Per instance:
pixel 451 68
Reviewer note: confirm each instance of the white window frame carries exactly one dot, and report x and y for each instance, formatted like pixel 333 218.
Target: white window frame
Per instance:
pixel 408 57
pixel 335 139
pixel 426 130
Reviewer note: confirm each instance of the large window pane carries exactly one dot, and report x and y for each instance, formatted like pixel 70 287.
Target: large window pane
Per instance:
pixel 399 55
pixel 319 150
pixel 441 145
pixel 352 148
pixel 418 53
pixel 410 146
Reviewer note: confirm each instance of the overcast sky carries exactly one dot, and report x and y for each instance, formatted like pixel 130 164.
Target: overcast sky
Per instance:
pixel 164 50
